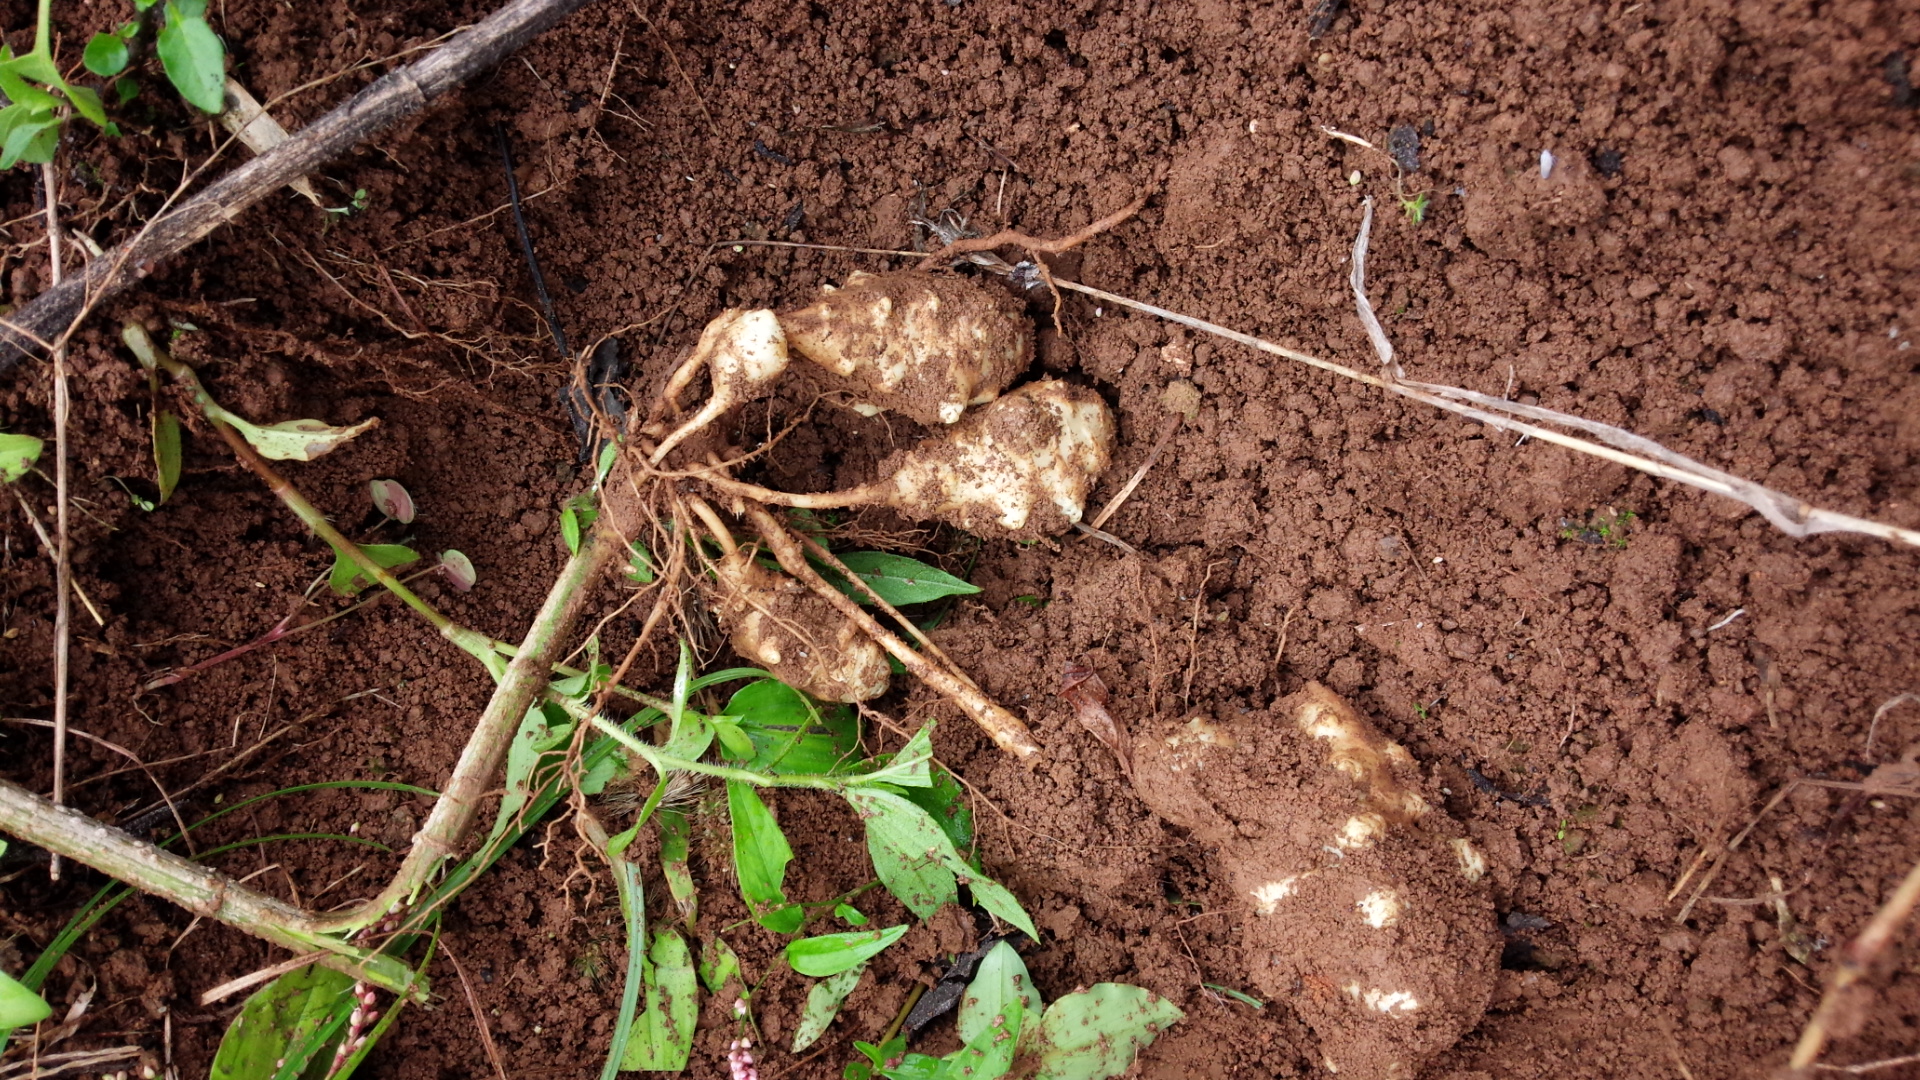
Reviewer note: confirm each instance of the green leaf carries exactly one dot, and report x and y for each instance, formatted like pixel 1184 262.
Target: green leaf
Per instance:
pixel 909 767
pixel 823 1004
pixel 125 89
pixel 166 451
pixel 570 529
pixel 905 845
pixel 790 734
pixel 1002 977
pixel 640 564
pixel 280 1030
pixel 194 59
pixel 719 965
pixel 296 440
pixel 850 914
pixel 86 102
pixel 760 857
pixel 734 743
pixel 633 916
pixel 989 1054
pixel 1095 1033
pixel 897 579
pixel 831 954
pixel 17 455
pixel 675 841
pixel 663 1034
pixel 993 896
pixel 537 737
pixel 608 454
pixel 31 138
pixel 21 1007
pixel 946 801
pixel 346 577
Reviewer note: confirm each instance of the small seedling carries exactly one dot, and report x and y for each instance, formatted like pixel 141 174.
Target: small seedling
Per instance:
pixel 1415 206
pixel 1607 529
pixel 392 500
pixel 355 204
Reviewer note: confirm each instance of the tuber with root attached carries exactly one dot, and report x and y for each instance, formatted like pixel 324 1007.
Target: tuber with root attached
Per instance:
pixel 1020 467
pixel 744 353
pixel 778 622
pixel 920 344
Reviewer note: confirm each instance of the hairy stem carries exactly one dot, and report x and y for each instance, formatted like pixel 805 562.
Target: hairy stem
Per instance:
pixel 521 686
pixel 207 893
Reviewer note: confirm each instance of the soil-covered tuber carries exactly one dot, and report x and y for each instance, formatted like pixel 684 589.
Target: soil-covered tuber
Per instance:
pixel 1369 908
pixel 923 345
pixel 777 622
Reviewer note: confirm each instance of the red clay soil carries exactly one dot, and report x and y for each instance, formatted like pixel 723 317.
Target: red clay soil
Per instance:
pixel 1599 675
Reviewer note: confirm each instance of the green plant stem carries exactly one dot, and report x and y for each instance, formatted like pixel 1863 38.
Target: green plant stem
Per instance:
pixel 521 685
pixel 665 763
pixel 151 355
pixel 207 893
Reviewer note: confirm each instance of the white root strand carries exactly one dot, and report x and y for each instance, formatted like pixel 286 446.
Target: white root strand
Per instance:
pixel 1791 515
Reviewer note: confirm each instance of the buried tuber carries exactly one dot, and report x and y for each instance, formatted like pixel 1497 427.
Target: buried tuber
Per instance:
pixel 1369 907
pixel 1020 467
pixel 778 622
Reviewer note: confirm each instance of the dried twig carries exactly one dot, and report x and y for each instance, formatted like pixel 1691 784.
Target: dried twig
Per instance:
pixel 1167 427
pixel 1854 960
pixel 63 555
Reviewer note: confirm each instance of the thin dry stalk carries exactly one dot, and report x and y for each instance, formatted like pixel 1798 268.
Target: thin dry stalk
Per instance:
pixel 1790 515
pixel 1886 707
pixel 53 556
pixel 1866 1067
pixel 63 555
pixel 479 1013
pixel 1167 428
pixel 1852 967
pixel 255 978
pixel 1006 729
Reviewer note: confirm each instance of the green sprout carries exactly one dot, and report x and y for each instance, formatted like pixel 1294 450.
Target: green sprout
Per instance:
pixel 1606 529
pixel 1415 207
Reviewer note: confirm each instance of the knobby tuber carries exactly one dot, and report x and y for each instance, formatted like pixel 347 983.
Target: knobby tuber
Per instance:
pixel 777 622
pixel 1370 909
pixel 1020 467
pixel 744 353
pixel 923 345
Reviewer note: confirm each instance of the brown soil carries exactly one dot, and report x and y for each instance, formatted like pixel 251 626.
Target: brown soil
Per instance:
pixel 1723 258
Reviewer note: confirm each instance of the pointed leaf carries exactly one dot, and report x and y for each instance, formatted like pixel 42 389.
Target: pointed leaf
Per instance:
pixel 21 1007
pixel 896 579
pixel 909 767
pixel 166 452
pixel 1001 977
pixel 663 1033
pixel 537 736
pixel 760 856
pixel 990 1052
pixel 298 440
pixel 86 102
pixel 194 59
pixel 791 735
pixel 675 841
pixel 823 1004
pixel 719 964
pixel 905 845
pixel 346 577
pixel 831 954
pixel 280 1029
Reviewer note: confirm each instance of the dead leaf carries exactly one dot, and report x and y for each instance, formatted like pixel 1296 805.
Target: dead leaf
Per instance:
pixel 1084 689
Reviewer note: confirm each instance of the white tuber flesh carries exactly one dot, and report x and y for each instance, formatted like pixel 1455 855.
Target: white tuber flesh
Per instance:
pixel 924 345
pixel 779 623
pixel 743 352
pixel 1020 467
